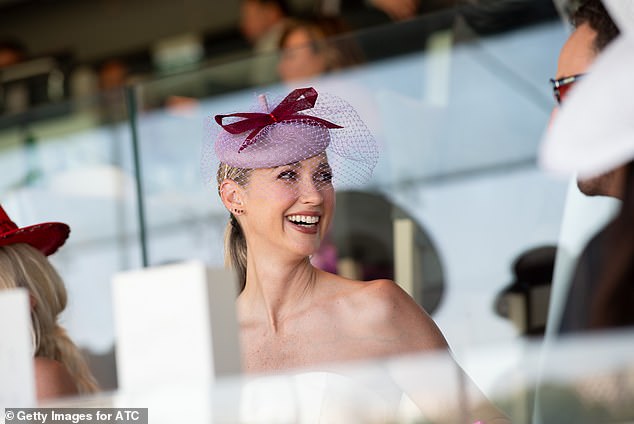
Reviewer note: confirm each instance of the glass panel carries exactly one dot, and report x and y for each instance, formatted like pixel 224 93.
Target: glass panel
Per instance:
pixel 72 162
pixel 419 388
pixel 458 105
pixel 457 100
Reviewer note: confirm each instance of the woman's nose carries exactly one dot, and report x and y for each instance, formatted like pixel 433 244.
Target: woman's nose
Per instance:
pixel 310 192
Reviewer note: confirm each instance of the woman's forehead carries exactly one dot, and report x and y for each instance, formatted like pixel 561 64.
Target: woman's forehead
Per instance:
pixel 318 161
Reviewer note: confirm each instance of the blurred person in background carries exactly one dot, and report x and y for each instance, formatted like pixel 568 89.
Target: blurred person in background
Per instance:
pixel 112 77
pixel 14 98
pixel 113 74
pixel 11 52
pixel 312 47
pixel 60 369
pixel 262 23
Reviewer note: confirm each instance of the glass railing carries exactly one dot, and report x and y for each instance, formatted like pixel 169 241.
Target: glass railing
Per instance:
pixel 78 167
pixel 413 389
pixel 458 117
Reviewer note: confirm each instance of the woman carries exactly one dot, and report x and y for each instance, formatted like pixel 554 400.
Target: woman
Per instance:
pixel 277 174
pixel 276 177
pixel 60 370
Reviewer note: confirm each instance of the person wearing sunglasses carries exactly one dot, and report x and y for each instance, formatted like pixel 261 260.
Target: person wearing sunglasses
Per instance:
pixel 594 31
pixel 568 309
pixel 562 86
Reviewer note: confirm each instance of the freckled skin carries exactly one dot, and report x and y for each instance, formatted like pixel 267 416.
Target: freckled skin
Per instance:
pixel 345 320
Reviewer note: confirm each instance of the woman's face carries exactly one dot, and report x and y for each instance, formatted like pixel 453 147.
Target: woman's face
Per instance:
pixel 299 60
pixel 289 207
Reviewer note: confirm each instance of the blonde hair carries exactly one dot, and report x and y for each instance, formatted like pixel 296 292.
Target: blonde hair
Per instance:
pixel 235 241
pixel 24 266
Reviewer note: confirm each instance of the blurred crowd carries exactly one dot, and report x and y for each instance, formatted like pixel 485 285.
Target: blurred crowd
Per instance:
pixel 312 39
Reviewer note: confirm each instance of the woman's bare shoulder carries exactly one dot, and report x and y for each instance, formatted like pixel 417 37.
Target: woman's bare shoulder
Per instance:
pixel 52 379
pixel 390 308
pixel 386 293
pixel 380 294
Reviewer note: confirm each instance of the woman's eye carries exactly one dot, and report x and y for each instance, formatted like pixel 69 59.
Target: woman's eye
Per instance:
pixel 287 175
pixel 324 177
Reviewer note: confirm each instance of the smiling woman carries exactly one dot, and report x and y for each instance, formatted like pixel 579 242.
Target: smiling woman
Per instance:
pixel 277 177
pixel 276 157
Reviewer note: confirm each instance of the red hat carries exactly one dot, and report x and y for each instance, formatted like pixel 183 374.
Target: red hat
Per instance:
pixel 46 237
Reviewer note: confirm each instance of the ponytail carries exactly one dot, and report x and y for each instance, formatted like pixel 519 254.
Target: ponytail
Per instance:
pixel 236 251
pixel 235 241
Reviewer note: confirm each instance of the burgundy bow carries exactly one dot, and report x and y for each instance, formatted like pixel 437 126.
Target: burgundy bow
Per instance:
pixel 298 100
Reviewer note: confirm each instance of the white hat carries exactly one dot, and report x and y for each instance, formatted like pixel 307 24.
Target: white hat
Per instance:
pixel 594 131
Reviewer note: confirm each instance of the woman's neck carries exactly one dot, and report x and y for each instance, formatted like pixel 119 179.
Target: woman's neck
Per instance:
pixel 275 289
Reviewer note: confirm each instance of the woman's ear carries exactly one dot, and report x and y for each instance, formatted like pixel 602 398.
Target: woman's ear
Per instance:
pixel 232 194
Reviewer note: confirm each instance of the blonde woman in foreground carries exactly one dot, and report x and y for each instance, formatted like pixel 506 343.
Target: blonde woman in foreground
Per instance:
pixel 60 369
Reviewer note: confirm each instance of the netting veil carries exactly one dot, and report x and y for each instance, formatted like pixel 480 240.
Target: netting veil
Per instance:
pixel 302 125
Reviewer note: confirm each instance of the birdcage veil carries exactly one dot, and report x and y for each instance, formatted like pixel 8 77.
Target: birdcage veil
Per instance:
pixel 287 131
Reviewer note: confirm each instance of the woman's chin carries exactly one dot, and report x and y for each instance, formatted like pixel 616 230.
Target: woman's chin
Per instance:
pixel 304 251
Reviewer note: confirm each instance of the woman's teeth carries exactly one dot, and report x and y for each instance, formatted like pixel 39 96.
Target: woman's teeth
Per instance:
pixel 303 219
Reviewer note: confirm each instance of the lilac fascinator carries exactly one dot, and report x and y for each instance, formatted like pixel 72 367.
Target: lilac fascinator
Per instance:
pixel 302 125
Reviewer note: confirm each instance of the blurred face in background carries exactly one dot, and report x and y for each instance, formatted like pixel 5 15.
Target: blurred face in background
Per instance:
pixel 112 75
pixel 9 57
pixel 300 58
pixel 257 18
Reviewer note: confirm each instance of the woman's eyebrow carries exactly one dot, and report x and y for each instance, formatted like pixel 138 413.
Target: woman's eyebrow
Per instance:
pixel 294 164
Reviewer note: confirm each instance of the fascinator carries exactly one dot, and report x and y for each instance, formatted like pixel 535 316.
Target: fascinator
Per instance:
pixel 302 125
pixel 46 237
pixel 593 132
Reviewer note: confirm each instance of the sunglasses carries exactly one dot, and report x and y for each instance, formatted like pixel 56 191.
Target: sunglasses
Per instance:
pixel 561 86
